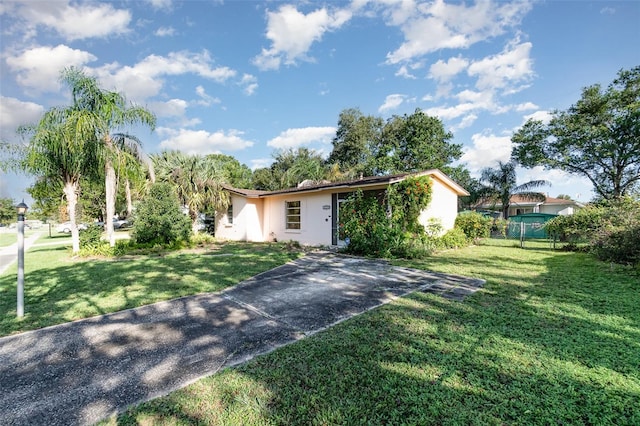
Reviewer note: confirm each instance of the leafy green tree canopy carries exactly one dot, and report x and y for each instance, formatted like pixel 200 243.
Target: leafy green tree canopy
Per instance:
pixel 598 137
pixel 7 211
pixel 408 143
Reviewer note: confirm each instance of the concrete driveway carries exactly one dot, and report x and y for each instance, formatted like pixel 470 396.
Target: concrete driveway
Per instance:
pixel 82 372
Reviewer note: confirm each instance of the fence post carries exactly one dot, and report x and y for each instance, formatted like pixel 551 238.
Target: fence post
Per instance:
pixel 521 234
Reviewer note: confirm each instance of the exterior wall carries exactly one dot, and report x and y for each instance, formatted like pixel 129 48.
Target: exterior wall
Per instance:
pixel 443 206
pixel 315 219
pixel 247 221
pixel 561 209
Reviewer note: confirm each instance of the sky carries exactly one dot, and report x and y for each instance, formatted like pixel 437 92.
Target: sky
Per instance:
pixel 245 78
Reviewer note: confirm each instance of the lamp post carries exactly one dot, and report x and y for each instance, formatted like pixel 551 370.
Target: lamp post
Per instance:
pixel 22 209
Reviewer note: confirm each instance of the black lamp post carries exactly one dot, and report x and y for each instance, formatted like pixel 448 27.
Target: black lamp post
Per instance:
pixel 22 210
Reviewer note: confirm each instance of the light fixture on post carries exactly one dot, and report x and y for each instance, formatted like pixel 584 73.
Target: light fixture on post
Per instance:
pixel 22 210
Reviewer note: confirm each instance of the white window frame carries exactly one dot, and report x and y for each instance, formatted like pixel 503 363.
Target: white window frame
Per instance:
pixel 290 206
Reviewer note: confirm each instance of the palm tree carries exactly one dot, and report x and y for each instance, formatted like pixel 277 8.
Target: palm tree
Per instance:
pixel 62 148
pixel 108 111
pixel 198 182
pixel 499 184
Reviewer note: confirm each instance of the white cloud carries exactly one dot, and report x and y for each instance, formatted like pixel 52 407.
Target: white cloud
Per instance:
pixel 160 4
pixel 428 27
pixel 404 73
pixel 445 71
pixel 608 11
pixel 260 163
pixel 487 150
pixel 293 138
pixel 392 102
pixel 170 108
pixel 74 21
pixel 202 141
pixel 512 66
pixel 527 106
pixel 250 84
pixel 205 99
pixel 39 68
pixel 467 121
pixel 292 33
pixel 544 116
pixel 165 32
pixel 14 113
pixel 144 79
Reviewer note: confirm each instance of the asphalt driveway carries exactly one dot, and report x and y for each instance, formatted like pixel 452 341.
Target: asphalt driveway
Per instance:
pixel 82 372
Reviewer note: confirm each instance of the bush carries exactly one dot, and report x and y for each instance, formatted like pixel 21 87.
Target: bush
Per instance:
pixel 159 218
pixel 578 227
pixel 620 245
pixel 610 229
pixel 474 225
pixel 454 238
pixel 367 227
pixel 91 237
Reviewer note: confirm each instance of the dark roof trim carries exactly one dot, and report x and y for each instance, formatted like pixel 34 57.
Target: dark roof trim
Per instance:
pixel 350 184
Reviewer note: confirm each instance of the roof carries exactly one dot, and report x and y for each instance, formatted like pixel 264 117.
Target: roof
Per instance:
pixel 518 200
pixel 351 184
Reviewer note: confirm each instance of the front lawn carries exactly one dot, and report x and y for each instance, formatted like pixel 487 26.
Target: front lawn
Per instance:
pixel 553 338
pixel 59 289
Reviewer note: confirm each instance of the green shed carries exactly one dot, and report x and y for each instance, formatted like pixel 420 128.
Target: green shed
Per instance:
pixel 532 224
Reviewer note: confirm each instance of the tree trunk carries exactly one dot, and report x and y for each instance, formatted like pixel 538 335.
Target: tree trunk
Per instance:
pixel 194 214
pixel 71 194
pixel 110 190
pixel 127 190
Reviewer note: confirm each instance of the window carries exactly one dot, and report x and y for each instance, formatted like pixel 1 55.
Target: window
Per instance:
pixel 293 214
pixel 230 214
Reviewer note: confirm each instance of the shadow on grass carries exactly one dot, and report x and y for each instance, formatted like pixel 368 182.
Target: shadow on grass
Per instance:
pixel 552 342
pixel 79 288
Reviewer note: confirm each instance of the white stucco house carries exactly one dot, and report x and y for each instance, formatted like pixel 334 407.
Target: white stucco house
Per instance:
pixel 309 214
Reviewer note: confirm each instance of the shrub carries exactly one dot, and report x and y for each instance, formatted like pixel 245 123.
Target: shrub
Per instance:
pixel 91 237
pixel 407 200
pixel 578 227
pixel 367 226
pixel 454 238
pixel 620 245
pixel 610 229
pixel 474 225
pixel 159 218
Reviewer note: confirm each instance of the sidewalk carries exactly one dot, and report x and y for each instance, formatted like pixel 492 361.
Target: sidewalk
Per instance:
pixel 81 372
pixel 9 254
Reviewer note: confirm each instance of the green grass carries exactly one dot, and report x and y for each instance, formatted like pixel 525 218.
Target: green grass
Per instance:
pixel 553 338
pixel 59 289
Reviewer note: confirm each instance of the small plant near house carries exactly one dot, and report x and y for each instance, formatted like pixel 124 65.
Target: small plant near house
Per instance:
pixel 474 225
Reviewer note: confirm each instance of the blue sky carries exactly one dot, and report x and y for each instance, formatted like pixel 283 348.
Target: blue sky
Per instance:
pixel 244 78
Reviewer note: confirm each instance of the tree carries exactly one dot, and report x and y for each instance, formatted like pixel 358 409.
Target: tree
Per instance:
pixel 7 210
pixel 598 137
pixel 198 183
pixel 290 168
pixel 409 143
pixel 63 148
pixel 235 174
pixel 105 112
pixel 413 143
pixel 500 185
pixel 357 138
pixel 159 219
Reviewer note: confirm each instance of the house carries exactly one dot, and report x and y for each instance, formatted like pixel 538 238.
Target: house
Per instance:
pixel 520 205
pixel 310 213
